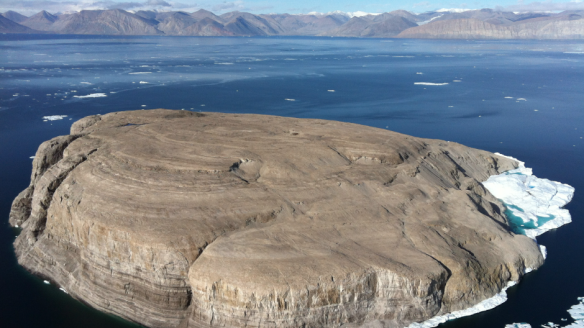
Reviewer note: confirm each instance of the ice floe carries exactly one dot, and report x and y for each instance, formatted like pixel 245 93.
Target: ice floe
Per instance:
pixel 92 95
pixel 576 312
pixel 53 118
pixel 485 305
pixel 518 325
pixel 534 205
pixel 429 83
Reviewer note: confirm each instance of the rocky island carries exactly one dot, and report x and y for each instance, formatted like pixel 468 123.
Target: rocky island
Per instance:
pixel 183 219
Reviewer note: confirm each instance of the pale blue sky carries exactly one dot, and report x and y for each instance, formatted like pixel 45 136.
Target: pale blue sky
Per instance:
pixel 29 7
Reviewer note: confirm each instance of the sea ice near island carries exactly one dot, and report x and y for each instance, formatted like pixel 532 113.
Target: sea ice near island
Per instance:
pixel 576 312
pixel 485 305
pixel 536 202
pixel 533 207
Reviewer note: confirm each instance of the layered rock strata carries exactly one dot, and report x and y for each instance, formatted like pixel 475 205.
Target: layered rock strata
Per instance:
pixel 182 219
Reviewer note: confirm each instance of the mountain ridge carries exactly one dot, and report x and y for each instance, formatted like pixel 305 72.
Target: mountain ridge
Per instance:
pixel 443 24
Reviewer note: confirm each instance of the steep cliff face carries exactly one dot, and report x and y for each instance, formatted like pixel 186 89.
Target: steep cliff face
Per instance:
pixel 180 219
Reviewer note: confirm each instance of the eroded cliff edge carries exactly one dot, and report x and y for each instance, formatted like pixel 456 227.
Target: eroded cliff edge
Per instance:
pixel 181 219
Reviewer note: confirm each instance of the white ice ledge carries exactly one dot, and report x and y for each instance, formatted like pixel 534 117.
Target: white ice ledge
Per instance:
pixel 485 305
pixel 538 202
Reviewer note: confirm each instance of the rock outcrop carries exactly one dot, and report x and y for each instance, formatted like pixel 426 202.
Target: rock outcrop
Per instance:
pixel 183 219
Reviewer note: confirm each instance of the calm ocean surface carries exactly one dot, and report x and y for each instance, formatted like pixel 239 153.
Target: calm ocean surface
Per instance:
pixel 374 84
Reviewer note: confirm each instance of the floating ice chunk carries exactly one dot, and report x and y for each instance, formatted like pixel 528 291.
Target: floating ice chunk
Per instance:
pixel 518 325
pixel 53 118
pixel 537 202
pixel 92 95
pixel 290 99
pixel 429 83
pixel 143 82
pixel 577 313
pixel 133 73
pixel 485 305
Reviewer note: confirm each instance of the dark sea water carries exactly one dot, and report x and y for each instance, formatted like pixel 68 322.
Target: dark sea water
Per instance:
pixel 373 82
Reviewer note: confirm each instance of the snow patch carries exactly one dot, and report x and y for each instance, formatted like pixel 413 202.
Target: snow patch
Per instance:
pixel 453 10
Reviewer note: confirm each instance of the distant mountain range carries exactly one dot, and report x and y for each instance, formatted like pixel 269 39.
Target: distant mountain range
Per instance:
pixel 471 24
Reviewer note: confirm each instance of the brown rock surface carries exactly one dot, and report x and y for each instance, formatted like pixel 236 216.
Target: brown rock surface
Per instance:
pixel 181 219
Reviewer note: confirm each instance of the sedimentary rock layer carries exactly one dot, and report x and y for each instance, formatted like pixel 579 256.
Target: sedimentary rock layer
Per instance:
pixel 182 219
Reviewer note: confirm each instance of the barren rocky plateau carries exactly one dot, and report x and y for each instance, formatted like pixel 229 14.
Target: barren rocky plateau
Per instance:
pixel 182 219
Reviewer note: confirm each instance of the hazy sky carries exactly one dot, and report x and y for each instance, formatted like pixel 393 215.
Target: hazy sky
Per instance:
pixel 29 7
